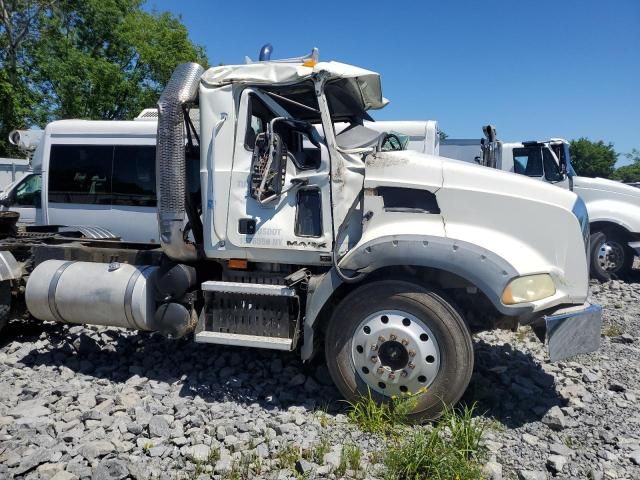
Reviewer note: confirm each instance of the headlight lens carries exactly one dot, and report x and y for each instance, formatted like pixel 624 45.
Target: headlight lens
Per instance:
pixel 528 289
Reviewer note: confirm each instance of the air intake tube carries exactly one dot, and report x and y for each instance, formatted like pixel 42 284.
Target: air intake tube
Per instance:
pixel 170 160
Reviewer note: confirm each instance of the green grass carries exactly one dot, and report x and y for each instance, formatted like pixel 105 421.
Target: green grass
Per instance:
pixel 382 418
pixel 318 451
pixel 449 450
pixel 352 455
pixel 288 456
pixel 322 414
pixel 613 330
pixel 495 425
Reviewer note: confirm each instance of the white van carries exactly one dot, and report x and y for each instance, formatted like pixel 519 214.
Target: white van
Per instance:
pixel 92 173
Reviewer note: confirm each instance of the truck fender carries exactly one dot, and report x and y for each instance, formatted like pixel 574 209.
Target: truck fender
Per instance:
pixel 482 268
pixel 624 214
pixel 10 268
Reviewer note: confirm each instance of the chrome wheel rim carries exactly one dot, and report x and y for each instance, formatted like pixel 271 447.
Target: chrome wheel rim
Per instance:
pixel 395 353
pixel 610 256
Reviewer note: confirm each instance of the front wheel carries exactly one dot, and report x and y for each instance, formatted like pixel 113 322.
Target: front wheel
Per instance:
pixel 610 256
pixel 394 337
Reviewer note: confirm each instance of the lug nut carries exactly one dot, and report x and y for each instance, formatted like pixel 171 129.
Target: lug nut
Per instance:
pixel 374 347
pixel 405 342
pixel 412 353
pixel 374 359
pixel 392 376
pixel 403 373
pixel 380 370
pixel 381 339
pixel 392 337
pixel 411 366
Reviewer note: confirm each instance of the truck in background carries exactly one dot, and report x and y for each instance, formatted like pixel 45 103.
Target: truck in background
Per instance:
pixel 613 207
pixel 383 261
pixel 12 170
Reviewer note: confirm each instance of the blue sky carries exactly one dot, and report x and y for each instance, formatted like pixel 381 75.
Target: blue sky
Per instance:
pixel 534 69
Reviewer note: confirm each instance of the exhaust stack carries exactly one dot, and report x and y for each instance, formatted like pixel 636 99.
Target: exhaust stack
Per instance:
pixel 181 89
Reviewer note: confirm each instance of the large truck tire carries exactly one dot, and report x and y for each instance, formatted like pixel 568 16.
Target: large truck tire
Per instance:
pixel 610 256
pixel 5 303
pixel 390 338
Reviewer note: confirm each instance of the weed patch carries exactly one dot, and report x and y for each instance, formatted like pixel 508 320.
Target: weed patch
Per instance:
pixel 613 330
pixel 448 450
pixel 382 418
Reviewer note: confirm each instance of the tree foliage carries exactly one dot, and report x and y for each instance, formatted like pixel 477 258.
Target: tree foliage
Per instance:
pixel 629 173
pixel 93 59
pixel 593 159
pixel 18 26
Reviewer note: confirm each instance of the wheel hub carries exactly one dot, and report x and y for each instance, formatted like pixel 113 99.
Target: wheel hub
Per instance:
pixel 393 355
pixel 394 352
pixel 610 256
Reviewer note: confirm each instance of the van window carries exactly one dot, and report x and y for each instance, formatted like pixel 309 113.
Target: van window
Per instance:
pixel 527 161
pixel 103 174
pixel 134 175
pixel 80 174
pixel 28 192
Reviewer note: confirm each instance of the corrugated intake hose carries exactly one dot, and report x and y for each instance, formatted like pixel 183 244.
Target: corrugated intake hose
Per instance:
pixel 170 161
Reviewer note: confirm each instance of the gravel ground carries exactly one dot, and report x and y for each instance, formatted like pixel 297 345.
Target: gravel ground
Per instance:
pixel 103 403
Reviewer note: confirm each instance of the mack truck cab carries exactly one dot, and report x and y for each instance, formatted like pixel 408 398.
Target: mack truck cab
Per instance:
pixel 381 261
pixel 614 208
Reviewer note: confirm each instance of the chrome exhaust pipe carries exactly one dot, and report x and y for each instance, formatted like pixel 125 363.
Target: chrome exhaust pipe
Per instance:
pixel 181 89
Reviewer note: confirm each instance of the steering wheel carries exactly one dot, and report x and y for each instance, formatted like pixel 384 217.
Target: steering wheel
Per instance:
pixel 390 142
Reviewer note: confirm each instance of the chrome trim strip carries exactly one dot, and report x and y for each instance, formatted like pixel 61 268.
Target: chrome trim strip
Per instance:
pixel 53 286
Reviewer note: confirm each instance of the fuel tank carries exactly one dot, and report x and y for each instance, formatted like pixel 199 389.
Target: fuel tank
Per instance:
pixel 108 294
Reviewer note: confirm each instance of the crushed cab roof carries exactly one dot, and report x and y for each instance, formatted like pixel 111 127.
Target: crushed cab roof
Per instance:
pixel 273 73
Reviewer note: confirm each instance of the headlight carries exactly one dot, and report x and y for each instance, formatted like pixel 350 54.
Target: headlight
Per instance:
pixel 528 289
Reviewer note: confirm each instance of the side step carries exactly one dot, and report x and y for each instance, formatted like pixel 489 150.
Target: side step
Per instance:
pixel 248 288
pixel 262 314
pixel 241 340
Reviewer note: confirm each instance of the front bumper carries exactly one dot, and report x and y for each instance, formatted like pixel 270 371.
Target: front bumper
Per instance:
pixel 573 330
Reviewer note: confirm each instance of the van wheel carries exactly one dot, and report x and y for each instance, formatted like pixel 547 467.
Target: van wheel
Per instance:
pixel 390 338
pixel 610 256
pixel 5 303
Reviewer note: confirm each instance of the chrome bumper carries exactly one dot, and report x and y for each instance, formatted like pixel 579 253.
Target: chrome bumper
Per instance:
pixel 573 330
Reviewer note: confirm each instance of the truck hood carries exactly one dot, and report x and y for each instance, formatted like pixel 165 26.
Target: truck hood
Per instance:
pixel 610 201
pixel 506 214
pixel 409 169
pixel 585 186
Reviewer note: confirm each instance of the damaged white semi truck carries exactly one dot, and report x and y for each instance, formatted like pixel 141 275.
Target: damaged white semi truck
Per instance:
pixel 383 261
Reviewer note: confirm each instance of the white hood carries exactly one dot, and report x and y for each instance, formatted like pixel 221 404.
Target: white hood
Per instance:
pixel 583 184
pixel 610 201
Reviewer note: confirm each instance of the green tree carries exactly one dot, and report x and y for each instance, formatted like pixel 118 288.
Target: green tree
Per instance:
pixel 443 135
pixel 93 59
pixel 18 33
pixel 629 173
pixel 593 159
